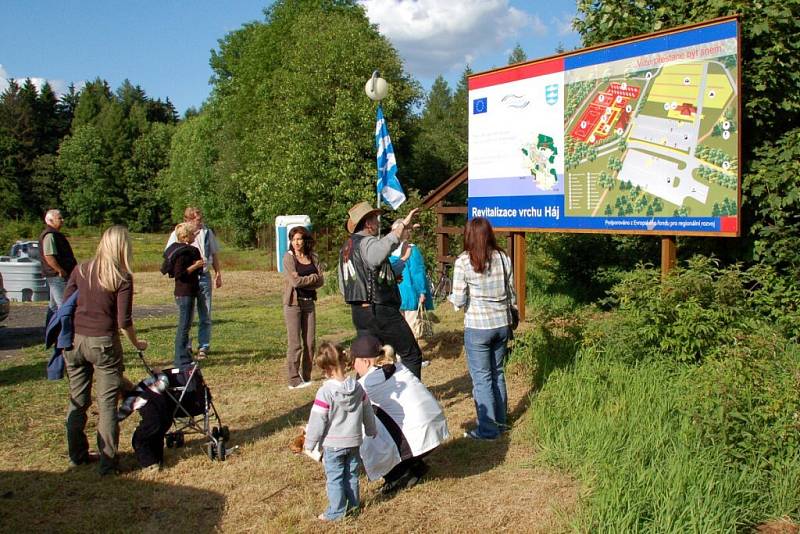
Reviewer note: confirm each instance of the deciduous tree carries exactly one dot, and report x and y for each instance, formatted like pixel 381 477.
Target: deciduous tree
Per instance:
pixel 296 130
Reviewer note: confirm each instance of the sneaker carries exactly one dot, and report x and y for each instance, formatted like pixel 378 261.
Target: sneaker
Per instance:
pixel 390 488
pixel 301 385
pixel 154 468
pixel 90 458
pixel 426 363
pixel 417 475
pixel 202 354
pixel 473 434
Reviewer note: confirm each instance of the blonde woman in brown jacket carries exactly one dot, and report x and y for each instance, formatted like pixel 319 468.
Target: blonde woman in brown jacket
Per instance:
pixel 302 276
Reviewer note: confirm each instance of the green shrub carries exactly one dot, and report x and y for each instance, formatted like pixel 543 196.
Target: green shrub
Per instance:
pixel 693 313
pixel 680 411
pixel 584 266
pixel 775 298
pixel 746 404
pixel 771 191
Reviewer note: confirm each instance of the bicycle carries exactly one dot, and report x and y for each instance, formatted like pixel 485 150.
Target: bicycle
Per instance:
pixel 443 286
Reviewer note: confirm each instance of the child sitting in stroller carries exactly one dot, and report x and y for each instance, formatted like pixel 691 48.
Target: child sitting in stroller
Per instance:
pixel 154 407
pixel 175 399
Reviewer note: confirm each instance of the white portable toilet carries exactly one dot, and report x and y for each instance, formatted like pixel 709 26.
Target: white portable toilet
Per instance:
pixel 23 279
pixel 283 225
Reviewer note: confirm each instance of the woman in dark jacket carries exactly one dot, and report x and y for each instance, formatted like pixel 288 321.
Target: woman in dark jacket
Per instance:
pixel 302 276
pixel 104 307
pixel 187 264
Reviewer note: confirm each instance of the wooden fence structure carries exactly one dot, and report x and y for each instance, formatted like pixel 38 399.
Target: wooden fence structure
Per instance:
pixel 515 241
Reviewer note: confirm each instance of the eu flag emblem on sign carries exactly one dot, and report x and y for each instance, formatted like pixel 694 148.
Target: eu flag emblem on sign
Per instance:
pixel 551 94
pixel 479 106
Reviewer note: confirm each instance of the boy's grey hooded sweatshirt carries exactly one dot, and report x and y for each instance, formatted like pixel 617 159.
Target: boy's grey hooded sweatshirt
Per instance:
pixel 339 410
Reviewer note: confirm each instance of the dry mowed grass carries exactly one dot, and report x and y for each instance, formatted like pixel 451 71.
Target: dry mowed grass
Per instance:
pixel 262 486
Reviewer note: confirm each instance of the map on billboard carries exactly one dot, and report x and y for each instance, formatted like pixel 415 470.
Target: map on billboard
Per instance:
pixel 640 136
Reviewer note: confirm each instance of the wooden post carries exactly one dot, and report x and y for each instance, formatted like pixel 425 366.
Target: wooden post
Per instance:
pixel 442 241
pixel 520 274
pixel 669 255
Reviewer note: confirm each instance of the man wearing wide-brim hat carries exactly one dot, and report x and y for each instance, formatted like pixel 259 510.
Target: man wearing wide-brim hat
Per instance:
pixel 369 281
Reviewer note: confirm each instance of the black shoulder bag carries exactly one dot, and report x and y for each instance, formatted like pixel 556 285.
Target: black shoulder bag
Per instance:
pixel 513 312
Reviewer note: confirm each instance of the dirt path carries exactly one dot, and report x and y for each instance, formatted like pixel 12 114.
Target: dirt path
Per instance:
pixel 24 326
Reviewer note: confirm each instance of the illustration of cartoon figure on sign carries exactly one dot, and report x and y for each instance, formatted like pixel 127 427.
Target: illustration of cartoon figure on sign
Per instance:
pixel 540 159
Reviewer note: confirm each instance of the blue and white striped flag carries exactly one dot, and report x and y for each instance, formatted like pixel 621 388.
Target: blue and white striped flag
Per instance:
pixel 388 185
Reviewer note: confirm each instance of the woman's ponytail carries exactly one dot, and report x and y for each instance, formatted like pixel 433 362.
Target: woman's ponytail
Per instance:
pixel 386 356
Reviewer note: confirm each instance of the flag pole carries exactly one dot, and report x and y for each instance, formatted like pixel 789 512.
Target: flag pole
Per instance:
pixel 376 93
pixel 377 191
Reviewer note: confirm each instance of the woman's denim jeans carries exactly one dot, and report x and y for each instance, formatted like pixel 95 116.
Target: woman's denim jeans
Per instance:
pixel 486 354
pixel 183 346
pixel 341 470
pixel 204 311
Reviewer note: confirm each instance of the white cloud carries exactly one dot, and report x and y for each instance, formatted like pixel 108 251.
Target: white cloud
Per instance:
pixel 3 79
pixel 58 86
pixel 436 37
pixel 539 28
pixel 563 24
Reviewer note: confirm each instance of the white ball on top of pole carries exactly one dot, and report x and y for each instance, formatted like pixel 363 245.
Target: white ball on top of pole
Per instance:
pixel 376 87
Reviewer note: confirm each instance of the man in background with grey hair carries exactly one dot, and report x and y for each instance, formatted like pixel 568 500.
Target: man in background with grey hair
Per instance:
pixel 57 259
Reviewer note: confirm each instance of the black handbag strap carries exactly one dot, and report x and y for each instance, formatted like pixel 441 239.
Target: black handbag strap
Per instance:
pixel 508 293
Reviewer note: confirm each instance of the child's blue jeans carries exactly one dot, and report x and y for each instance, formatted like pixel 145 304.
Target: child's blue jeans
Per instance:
pixel 341 470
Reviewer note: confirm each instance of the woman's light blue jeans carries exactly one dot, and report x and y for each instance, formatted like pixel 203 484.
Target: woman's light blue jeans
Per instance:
pixel 486 354
pixel 341 470
pixel 204 311
pixel 183 346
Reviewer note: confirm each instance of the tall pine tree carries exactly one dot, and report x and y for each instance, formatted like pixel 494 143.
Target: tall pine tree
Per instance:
pixel 517 55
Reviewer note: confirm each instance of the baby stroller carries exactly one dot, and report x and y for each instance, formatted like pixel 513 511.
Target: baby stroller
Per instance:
pixel 189 408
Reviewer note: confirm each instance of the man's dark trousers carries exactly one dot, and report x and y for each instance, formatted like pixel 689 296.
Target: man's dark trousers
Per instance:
pixel 388 325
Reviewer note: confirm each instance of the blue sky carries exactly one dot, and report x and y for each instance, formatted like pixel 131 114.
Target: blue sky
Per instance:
pixel 164 45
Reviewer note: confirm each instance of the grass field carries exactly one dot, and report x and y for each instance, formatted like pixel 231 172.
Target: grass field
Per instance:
pixel 262 487
pixel 148 250
pixel 600 443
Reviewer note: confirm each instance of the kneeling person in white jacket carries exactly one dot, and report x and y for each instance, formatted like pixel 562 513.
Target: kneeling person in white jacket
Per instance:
pixel 410 422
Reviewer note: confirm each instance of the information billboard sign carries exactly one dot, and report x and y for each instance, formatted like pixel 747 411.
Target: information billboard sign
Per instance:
pixel 639 136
